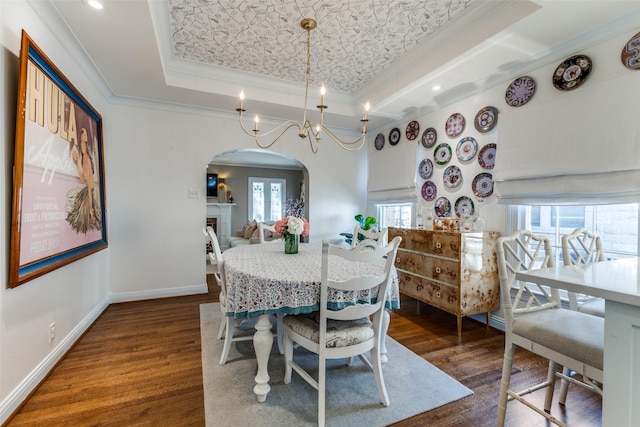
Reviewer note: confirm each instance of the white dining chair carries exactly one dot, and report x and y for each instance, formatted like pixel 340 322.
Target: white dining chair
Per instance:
pixel 228 326
pixel 579 248
pixel 208 232
pixel 380 236
pixel 535 321
pixel 262 227
pixel 347 331
pixel 583 247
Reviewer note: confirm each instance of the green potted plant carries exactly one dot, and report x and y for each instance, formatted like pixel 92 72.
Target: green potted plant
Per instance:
pixel 365 222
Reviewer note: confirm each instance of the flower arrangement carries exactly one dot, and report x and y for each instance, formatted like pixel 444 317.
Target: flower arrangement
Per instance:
pixel 294 207
pixel 292 225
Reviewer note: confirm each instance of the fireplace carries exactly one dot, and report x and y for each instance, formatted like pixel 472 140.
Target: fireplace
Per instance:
pixel 219 217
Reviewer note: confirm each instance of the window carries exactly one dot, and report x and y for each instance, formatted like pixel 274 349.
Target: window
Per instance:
pixel 395 215
pixel 616 224
pixel 266 198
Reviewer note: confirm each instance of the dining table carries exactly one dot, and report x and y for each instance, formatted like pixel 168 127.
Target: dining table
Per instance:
pixel 618 283
pixel 263 281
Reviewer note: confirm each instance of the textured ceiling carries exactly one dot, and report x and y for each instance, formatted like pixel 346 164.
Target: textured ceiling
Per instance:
pixel 354 41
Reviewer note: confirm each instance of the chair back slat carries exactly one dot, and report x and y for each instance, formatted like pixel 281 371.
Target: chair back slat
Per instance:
pixel 580 248
pixel 379 236
pixel 381 260
pixel 524 251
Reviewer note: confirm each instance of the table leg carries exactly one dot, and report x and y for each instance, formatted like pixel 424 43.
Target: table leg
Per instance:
pixel 385 327
pixel 262 342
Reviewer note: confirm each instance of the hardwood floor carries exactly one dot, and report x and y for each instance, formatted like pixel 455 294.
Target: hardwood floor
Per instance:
pixel 140 365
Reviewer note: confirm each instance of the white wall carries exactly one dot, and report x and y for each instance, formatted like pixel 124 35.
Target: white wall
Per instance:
pixel 72 296
pixel 157 156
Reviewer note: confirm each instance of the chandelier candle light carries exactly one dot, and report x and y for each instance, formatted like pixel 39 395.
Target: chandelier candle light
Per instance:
pixel 306 129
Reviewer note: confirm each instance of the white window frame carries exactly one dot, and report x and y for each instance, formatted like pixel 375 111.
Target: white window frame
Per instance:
pixel 382 223
pixel 267 196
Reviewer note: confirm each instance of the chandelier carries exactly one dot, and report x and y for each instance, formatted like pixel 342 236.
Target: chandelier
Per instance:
pixel 306 129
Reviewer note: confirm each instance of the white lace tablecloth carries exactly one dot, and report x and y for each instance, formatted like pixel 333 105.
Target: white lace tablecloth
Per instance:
pixel 262 279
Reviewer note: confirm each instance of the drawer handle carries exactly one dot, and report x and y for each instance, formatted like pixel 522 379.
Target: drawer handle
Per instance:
pixel 438 245
pixel 397 259
pixel 438 270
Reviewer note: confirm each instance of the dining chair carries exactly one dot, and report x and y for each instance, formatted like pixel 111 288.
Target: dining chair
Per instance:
pixel 211 264
pixel 535 321
pixel 380 236
pixel 262 227
pixel 229 325
pixel 579 248
pixel 343 332
pixel 583 247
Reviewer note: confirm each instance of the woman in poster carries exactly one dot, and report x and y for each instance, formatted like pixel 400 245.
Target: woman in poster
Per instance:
pixel 83 208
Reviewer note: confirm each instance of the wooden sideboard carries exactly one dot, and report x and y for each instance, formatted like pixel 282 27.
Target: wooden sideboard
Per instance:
pixel 455 272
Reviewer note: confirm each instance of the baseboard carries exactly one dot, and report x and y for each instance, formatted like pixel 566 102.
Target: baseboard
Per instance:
pixel 13 401
pixel 159 293
pixel 494 320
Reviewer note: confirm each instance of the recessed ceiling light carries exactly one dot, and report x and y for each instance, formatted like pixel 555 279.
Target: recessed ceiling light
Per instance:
pixel 435 87
pixel 96 4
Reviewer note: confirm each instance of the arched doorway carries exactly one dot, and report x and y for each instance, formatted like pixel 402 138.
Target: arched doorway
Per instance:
pixel 236 167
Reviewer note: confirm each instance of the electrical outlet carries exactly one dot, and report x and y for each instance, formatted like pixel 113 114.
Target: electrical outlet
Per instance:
pixel 52 332
pixel 194 194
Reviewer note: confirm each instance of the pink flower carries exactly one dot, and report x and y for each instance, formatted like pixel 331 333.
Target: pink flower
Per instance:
pixel 298 224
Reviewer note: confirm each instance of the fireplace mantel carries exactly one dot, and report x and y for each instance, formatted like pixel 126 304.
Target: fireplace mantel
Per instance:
pixel 222 212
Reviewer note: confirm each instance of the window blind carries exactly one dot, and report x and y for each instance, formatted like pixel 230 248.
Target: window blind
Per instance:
pixel 582 147
pixel 392 171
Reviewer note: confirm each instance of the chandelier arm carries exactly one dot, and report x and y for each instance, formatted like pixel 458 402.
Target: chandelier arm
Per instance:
pixel 347 145
pixel 288 124
pixel 257 138
pixel 314 148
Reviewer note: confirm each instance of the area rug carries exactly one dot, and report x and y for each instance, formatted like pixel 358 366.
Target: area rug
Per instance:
pixel 414 386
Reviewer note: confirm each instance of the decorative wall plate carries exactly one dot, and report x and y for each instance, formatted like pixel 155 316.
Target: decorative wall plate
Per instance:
pixel 442 154
pixel 464 206
pixel 394 136
pixel 442 207
pixel 572 72
pixel 379 143
pixel 631 53
pixel 429 191
pixel 486 119
pixel 487 156
pixel 452 176
pixel 425 169
pixel 455 125
pixel 429 138
pixel 413 130
pixel 482 185
pixel 466 149
pixel 520 91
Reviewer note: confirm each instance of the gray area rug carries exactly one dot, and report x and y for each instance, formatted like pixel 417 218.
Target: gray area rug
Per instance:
pixel 414 386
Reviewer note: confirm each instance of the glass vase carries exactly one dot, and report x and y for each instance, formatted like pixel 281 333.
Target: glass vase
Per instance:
pixel 479 223
pixel 291 243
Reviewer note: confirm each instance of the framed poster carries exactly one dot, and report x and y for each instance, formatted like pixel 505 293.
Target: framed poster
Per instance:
pixel 58 209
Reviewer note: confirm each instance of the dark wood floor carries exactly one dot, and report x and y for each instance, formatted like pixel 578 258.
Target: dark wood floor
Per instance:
pixel 140 365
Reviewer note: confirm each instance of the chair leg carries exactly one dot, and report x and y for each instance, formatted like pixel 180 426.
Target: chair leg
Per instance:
pixel 551 383
pixel 280 332
pixel 322 373
pixel 228 339
pixel 564 387
pixel 504 383
pixel 377 372
pixel 288 357
pixel 223 325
